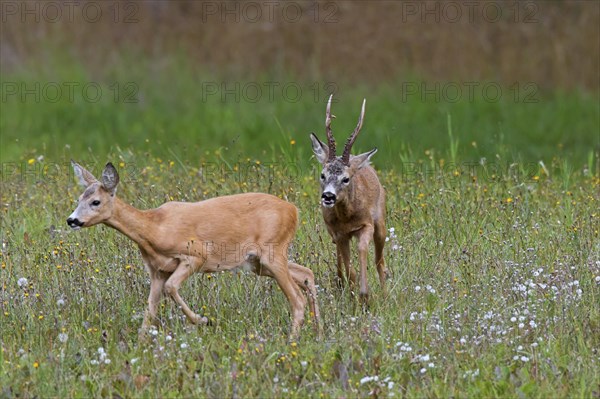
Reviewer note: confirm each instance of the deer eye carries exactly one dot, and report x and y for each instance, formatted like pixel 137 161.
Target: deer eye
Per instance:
pixel 322 176
pixel 95 203
pixel 346 180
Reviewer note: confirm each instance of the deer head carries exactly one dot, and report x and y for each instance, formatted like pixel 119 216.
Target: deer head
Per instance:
pixel 96 203
pixel 337 173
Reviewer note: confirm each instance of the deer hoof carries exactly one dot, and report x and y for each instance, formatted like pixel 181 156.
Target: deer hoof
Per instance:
pixel 364 299
pixel 200 320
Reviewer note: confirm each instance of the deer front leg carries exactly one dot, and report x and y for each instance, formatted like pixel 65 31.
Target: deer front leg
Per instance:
pixel 157 283
pixel 343 261
pixel 363 251
pixel 183 271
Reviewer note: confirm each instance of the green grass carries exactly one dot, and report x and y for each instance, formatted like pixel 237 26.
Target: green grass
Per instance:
pixel 477 248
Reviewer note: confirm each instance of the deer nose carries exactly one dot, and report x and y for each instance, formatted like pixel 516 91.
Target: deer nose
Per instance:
pixel 74 222
pixel 328 198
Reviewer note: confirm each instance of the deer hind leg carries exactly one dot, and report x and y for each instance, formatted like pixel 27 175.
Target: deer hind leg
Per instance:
pixel 172 285
pixel 343 262
pixel 305 279
pixel 379 239
pixel 277 268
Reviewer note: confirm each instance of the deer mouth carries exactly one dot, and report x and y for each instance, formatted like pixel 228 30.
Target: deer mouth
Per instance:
pixel 328 203
pixel 328 199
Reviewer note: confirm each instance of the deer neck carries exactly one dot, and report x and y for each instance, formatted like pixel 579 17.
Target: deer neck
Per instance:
pixel 131 222
pixel 345 209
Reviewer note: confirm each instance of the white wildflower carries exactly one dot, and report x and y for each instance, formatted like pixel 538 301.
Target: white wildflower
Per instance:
pixel 22 282
pixel 366 379
pixel 532 324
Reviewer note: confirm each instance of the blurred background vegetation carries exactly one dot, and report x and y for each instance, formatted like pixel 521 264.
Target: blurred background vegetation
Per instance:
pixel 183 79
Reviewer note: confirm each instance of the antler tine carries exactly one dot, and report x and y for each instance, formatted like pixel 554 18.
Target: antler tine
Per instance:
pixel 330 139
pixel 352 138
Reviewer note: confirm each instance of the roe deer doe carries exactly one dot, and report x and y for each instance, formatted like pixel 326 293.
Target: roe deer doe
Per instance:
pixel 250 231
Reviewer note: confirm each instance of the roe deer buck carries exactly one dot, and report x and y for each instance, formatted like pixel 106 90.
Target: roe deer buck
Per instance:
pixel 352 201
pixel 250 231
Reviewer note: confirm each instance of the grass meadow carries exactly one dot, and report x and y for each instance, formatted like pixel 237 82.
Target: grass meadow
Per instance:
pixel 493 245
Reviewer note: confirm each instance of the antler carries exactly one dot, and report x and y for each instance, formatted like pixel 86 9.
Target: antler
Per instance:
pixel 330 139
pixel 352 138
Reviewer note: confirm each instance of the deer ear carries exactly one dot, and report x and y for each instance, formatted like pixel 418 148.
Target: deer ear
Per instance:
pixel 110 178
pixel 360 161
pixel 320 150
pixel 84 178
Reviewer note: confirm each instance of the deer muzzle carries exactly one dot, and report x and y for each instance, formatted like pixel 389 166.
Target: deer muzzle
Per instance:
pixel 74 223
